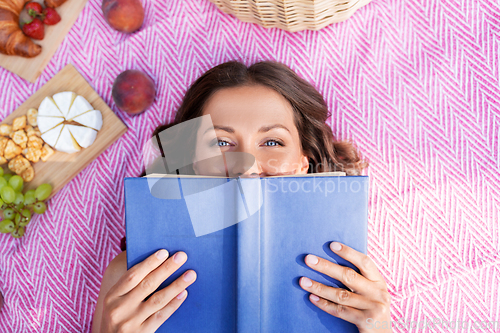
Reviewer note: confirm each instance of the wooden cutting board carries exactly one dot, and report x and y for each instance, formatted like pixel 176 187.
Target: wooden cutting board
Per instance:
pixel 31 68
pixel 60 168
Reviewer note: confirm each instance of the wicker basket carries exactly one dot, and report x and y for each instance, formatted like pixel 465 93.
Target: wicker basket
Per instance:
pixel 291 15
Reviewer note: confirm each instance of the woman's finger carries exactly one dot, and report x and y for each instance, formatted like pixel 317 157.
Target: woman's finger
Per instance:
pixel 364 263
pixel 347 313
pixel 159 317
pixel 136 274
pixel 154 279
pixel 336 295
pixel 349 277
pixel 161 298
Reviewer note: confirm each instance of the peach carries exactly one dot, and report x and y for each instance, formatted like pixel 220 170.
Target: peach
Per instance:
pixel 123 15
pixel 133 91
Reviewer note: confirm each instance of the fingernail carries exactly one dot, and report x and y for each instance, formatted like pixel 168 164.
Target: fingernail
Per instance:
pixel 335 246
pixel 314 298
pixel 179 257
pixel 306 282
pixel 310 259
pixel 162 254
pixel 181 295
pixel 189 276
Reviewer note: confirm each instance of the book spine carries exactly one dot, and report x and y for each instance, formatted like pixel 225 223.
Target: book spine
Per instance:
pixel 249 258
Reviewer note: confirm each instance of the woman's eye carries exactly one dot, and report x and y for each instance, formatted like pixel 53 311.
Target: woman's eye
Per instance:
pixel 219 143
pixel 223 143
pixel 272 143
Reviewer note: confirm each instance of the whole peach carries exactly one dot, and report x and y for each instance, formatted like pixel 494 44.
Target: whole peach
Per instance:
pixel 123 15
pixel 133 91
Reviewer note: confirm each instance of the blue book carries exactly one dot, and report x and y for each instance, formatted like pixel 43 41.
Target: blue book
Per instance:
pixel 247 239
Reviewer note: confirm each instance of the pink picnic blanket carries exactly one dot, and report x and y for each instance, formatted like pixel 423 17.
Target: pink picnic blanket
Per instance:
pixel 415 84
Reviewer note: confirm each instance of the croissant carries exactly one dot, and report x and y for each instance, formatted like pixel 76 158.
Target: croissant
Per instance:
pixel 12 39
pixel 54 3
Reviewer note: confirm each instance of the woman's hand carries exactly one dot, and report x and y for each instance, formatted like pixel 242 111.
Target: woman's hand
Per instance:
pixel 367 306
pixel 124 307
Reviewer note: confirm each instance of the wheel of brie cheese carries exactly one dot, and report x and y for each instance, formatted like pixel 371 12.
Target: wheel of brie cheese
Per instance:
pixel 68 122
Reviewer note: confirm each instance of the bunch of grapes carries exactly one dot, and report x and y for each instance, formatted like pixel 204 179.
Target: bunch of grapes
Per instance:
pixel 17 207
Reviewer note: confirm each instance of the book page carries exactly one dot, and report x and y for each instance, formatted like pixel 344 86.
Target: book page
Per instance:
pixel 319 174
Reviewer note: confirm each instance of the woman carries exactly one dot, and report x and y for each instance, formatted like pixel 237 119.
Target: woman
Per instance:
pixel 268 111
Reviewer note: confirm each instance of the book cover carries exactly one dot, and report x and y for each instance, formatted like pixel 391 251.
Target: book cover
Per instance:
pixel 246 239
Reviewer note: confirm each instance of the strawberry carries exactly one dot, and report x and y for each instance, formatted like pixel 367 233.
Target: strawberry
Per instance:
pixel 34 29
pixel 24 18
pixel 50 16
pixel 33 8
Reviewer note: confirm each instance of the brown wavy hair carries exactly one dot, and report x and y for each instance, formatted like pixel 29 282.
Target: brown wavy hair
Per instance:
pixel 310 110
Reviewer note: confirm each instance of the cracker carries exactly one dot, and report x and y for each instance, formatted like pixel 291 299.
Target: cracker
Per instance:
pixel 19 123
pixel 19 164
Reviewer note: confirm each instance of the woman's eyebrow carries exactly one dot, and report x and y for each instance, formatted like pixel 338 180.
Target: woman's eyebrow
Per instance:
pixel 223 128
pixel 270 127
pixel 262 129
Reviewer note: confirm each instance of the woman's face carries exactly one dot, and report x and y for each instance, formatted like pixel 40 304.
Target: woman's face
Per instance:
pixel 253 121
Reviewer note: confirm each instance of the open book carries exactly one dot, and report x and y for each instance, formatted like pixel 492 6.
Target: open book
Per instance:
pixel 322 174
pixel 246 238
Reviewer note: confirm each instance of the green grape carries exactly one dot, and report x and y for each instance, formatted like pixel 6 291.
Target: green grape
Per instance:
pixel 39 208
pixel 1 171
pixel 16 182
pixel 7 176
pixel 29 197
pixel 3 182
pixel 6 226
pixel 8 214
pixel 19 199
pixel 20 206
pixel 26 218
pixel 43 191
pixel 26 213
pixel 18 233
pixel 17 218
pixel 1 203
pixel 8 194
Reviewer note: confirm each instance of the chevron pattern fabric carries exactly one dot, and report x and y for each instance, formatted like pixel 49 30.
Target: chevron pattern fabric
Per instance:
pixel 414 83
